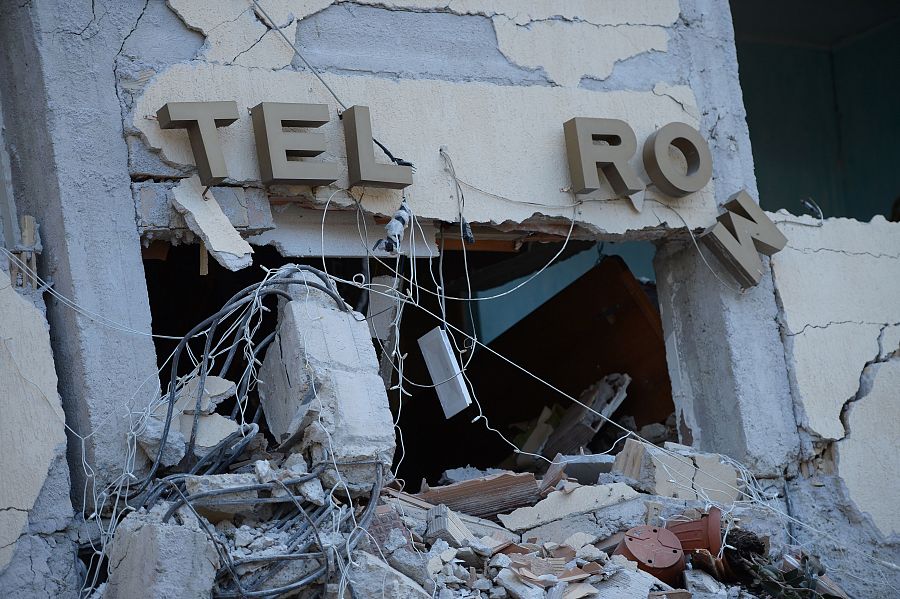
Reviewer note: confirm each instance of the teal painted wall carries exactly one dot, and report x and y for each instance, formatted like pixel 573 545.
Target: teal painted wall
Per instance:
pixel 825 123
pixel 867 72
pixel 495 316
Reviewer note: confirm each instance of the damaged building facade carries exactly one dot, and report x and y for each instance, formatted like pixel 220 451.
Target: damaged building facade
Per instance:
pixel 234 341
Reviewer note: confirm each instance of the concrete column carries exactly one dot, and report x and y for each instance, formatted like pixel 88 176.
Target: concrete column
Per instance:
pixel 70 170
pixel 726 362
pixel 726 358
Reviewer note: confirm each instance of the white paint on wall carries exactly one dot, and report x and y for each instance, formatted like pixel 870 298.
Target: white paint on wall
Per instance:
pixel 838 287
pixel 569 40
pixel 506 140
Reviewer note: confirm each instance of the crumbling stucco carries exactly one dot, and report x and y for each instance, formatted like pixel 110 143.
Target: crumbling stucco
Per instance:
pixel 570 51
pixel 32 427
pixel 204 216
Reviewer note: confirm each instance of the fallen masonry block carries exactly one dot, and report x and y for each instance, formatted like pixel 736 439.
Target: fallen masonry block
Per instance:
pixel 443 523
pixel 320 387
pixel 560 505
pixel 684 474
pixel 516 587
pixel 153 560
pixel 486 496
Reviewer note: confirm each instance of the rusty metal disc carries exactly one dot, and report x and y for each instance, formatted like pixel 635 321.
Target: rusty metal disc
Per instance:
pixel 656 550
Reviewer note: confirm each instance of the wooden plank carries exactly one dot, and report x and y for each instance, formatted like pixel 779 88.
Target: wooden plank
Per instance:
pixel 487 496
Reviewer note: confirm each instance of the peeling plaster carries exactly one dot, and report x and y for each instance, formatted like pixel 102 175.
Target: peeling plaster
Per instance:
pixel 32 425
pixel 868 457
pixel 570 40
pixel 570 51
pixel 206 17
pixel 204 216
pixel 506 140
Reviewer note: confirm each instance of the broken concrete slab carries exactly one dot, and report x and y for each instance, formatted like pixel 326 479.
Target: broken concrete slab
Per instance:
pixel 319 381
pixel 32 428
pixel 678 471
pixel 626 584
pixel 602 523
pixel 160 561
pixel 516 587
pixel 371 577
pixel 560 505
pixel 204 217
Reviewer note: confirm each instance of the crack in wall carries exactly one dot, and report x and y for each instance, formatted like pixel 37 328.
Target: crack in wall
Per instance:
pixel 866 379
pixel 844 252
pixel 810 325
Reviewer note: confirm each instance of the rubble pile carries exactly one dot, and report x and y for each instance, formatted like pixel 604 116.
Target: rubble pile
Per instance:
pixel 299 500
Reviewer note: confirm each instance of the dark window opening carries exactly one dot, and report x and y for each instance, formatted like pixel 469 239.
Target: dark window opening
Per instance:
pixel 590 314
pixel 819 87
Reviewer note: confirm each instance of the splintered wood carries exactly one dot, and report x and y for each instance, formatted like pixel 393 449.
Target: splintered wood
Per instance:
pixel 487 496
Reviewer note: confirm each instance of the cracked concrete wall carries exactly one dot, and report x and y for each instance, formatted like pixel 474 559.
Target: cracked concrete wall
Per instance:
pixel 730 389
pixel 69 166
pixel 837 286
pixel 505 75
pixel 493 82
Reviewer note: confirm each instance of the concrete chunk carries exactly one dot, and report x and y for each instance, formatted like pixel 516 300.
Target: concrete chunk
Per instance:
pixel 680 472
pixel 153 560
pixel 149 439
pixel 559 505
pixel 319 385
pixel 371 577
pixel 204 216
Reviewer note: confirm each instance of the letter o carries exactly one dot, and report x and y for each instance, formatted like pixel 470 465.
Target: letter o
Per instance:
pixel 666 173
